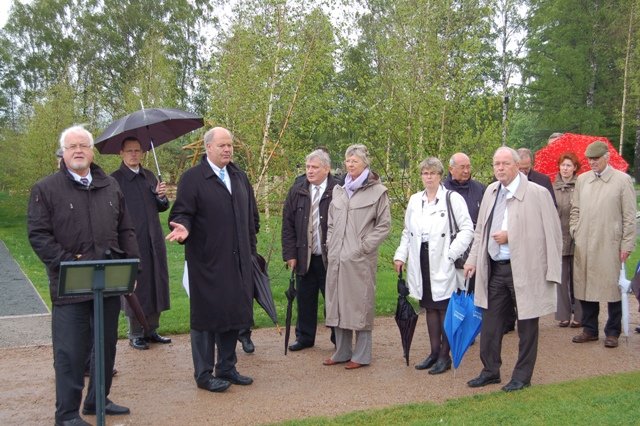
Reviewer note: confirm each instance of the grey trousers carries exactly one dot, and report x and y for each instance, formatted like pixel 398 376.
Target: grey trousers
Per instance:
pixel 565 294
pixel 136 330
pixel 345 350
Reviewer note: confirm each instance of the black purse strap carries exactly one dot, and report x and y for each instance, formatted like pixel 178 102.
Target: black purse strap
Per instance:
pixel 453 229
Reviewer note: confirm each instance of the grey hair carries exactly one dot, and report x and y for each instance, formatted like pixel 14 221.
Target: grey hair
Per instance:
pixel 75 129
pixel 321 156
pixel 208 137
pixel 359 151
pixel 513 152
pixel 432 163
pixel 525 153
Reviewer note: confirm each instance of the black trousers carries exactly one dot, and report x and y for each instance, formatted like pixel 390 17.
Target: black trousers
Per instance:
pixel 203 345
pixel 308 286
pixel 590 312
pixel 72 331
pixel 502 301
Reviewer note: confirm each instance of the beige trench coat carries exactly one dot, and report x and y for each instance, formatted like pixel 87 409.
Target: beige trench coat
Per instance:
pixel 603 223
pixel 535 243
pixel 356 228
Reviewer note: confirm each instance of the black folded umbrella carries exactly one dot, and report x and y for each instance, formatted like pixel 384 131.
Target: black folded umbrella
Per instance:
pixel 291 295
pixel 262 288
pixel 406 317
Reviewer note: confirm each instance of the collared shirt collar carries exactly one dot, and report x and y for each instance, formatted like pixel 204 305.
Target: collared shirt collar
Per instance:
pixel 215 168
pixel 322 186
pixel 136 170
pixel 513 186
pixel 77 177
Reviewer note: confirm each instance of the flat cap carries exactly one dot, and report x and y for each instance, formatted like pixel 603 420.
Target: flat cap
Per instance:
pixel 596 149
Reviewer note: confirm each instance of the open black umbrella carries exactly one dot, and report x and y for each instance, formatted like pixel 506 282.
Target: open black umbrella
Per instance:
pixel 406 317
pixel 262 288
pixel 291 295
pixel 152 127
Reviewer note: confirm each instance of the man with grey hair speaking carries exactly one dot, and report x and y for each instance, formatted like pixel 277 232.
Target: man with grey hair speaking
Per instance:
pixel 304 236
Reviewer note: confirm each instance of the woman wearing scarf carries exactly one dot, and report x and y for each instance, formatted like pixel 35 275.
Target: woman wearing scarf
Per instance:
pixel 568 165
pixel 359 220
pixel 429 252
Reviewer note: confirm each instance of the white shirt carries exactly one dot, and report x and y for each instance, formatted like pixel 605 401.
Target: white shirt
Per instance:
pixel 505 254
pixel 216 170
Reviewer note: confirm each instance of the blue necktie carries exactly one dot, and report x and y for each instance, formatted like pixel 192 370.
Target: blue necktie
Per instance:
pixel 84 181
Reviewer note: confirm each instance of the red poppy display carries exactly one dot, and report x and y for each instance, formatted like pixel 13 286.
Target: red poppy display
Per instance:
pixel 546 159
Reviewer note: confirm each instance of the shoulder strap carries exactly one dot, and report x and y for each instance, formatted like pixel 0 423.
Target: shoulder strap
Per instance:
pixel 453 225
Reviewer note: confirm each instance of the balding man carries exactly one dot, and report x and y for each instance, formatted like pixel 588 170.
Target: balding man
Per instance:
pixel 215 217
pixel 516 257
pixel 526 167
pixel 79 213
pixel 459 180
pixel 603 225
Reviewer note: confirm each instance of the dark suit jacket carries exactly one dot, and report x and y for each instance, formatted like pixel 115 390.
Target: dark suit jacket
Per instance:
pixel 542 180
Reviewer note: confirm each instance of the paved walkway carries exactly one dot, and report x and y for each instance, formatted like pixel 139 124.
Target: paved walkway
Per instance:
pixel 25 319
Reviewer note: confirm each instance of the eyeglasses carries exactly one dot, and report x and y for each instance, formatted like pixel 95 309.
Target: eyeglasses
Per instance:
pixel 75 147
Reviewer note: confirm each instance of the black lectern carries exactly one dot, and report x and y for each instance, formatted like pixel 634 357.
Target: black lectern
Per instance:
pixel 98 277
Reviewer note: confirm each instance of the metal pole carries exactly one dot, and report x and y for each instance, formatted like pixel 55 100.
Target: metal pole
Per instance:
pixel 98 343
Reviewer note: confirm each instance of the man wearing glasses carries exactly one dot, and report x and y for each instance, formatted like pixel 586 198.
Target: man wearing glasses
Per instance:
pixel 79 213
pixel 603 226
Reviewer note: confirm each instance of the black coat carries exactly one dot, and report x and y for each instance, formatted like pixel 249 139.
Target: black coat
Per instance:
pixel 143 205
pixel 295 223
pixel 472 192
pixel 67 220
pixel 542 180
pixel 222 238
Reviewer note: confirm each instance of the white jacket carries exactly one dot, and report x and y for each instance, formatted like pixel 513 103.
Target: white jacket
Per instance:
pixel 445 278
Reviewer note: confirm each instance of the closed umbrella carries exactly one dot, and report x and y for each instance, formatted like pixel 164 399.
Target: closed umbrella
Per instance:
pixel 152 127
pixel 406 317
pixel 262 288
pixel 624 285
pixel 462 324
pixel 290 293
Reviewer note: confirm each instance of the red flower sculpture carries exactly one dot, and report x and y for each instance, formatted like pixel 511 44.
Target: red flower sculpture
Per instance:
pixel 546 159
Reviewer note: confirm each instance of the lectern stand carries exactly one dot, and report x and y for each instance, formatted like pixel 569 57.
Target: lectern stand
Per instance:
pixel 100 278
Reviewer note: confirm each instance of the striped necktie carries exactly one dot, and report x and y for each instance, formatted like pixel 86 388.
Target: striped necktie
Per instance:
pixel 84 181
pixel 315 220
pixel 496 223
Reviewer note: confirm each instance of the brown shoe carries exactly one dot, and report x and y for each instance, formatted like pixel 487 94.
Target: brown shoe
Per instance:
pixel 353 365
pixel 330 361
pixel 611 342
pixel 584 337
pixel 575 324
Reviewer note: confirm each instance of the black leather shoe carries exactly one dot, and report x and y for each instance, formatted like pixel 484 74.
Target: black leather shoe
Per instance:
pixel 214 385
pixel 235 378
pixel 427 363
pixel 482 381
pixel 110 409
pixel 156 338
pixel 247 345
pixel 297 346
pixel 638 329
pixel 76 421
pixel 515 385
pixel 441 366
pixel 139 343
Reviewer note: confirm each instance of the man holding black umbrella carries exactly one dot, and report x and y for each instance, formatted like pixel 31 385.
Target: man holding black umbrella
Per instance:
pixel 145 198
pixel 304 235
pixel 214 216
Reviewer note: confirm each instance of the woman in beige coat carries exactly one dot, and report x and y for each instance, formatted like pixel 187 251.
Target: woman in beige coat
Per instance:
pixel 568 166
pixel 359 220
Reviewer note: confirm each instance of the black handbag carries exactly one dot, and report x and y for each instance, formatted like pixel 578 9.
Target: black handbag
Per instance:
pixel 453 230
